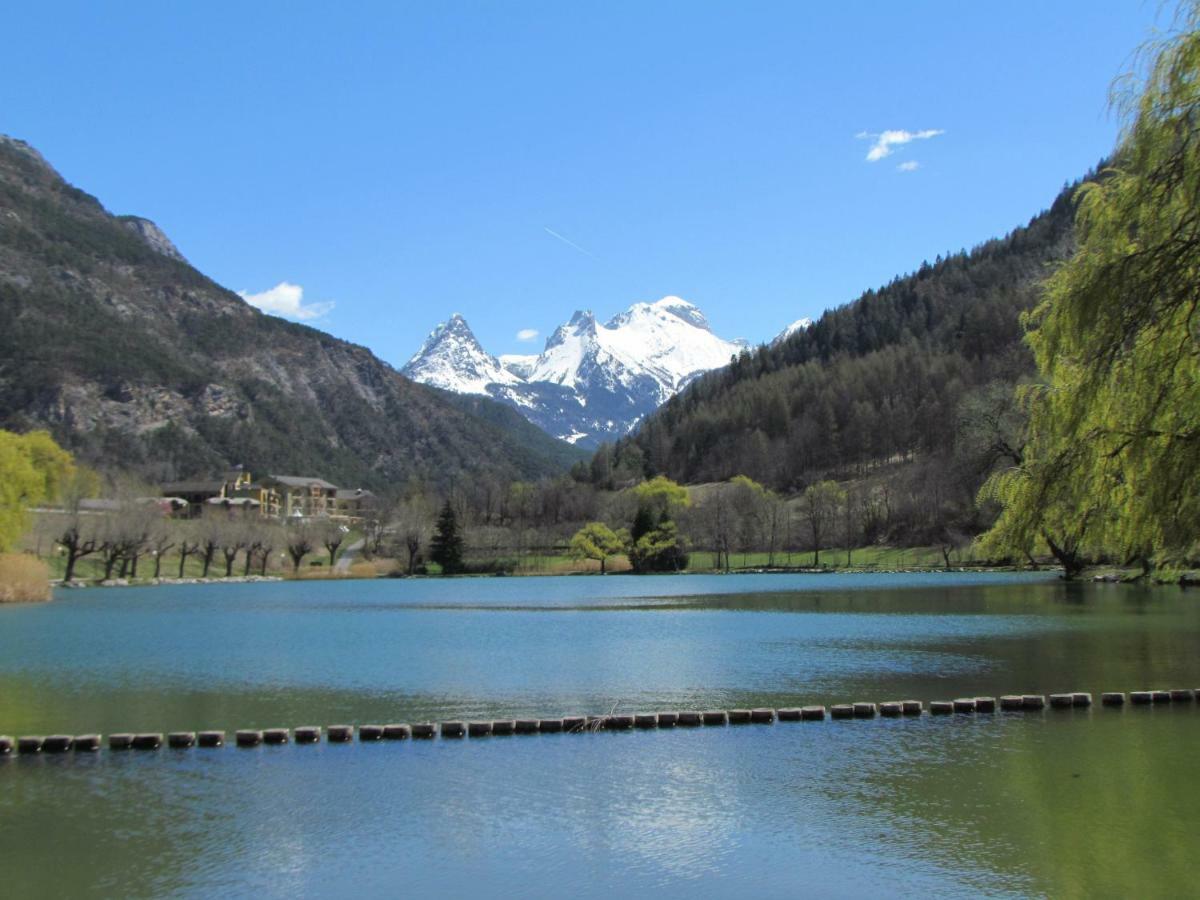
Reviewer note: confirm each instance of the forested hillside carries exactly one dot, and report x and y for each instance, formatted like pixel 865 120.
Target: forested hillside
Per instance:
pixel 135 360
pixel 907 388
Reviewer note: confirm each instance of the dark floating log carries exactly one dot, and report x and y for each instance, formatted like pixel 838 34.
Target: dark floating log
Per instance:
pixel 339 734
pixel 58 743
pixel 61 743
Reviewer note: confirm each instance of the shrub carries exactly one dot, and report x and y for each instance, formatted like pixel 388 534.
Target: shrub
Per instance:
pixel 23 578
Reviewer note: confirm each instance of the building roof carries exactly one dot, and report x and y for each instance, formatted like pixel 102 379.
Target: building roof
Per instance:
pixel 352 493
pixel 297 481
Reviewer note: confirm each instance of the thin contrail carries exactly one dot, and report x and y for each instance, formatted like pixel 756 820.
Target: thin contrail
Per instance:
pixel 570 243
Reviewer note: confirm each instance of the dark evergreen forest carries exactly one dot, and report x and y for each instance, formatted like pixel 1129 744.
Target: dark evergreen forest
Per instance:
pixel 907 389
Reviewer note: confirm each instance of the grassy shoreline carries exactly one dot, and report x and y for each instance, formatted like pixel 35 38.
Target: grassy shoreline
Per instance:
pixel 863 560
pixel 1098 575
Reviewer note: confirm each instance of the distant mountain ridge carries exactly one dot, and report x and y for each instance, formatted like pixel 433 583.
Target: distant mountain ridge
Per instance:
pixel 592 382
pixel 135 360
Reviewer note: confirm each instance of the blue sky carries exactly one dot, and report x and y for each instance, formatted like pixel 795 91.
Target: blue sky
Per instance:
pixel 399 162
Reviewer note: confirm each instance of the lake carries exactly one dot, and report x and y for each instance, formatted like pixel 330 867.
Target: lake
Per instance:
pixel 1094 802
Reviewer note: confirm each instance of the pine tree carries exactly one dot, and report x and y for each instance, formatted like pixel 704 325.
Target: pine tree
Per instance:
pixel 446 549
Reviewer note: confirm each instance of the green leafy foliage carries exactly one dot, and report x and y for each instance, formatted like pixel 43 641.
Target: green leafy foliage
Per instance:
pixel 33 469
pixel 660 549
pixel 597 541
pixel 1112 458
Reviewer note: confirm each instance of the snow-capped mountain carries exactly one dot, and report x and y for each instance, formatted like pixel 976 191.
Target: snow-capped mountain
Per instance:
pixel 452 359
pixel 592 382
pixel 798 325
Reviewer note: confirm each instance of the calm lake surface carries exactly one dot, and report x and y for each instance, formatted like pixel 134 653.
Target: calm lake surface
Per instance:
pixel 1079 803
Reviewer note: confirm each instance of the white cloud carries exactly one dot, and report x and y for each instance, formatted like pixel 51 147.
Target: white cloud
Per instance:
pixel 287 300
pixel 887 141
pixel 911 166
pixel 527 334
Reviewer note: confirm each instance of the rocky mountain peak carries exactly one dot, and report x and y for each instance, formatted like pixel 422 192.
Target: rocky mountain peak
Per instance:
pixel 799 325
pixel 592 382
pixel 154 236
pixel 453 359
pixel 20 147
pixel 582 324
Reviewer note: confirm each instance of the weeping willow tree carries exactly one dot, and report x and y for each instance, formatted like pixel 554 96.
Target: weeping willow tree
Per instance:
pixel 1112 463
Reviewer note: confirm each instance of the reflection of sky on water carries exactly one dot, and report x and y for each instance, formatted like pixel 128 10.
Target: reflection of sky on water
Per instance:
pixel 363 650
pixel 1074 803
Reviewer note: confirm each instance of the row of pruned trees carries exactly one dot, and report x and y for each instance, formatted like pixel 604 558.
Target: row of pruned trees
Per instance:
pixel 135 538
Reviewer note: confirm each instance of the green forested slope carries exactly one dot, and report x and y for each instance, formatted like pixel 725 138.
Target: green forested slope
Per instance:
pixel 133 359
pixel 908 387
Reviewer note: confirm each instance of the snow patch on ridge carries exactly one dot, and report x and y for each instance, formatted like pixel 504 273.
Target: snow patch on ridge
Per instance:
pixel 799 325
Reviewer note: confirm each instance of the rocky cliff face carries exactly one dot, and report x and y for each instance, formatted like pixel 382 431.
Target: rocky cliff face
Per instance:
pixel 154 237
pixel 134 359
